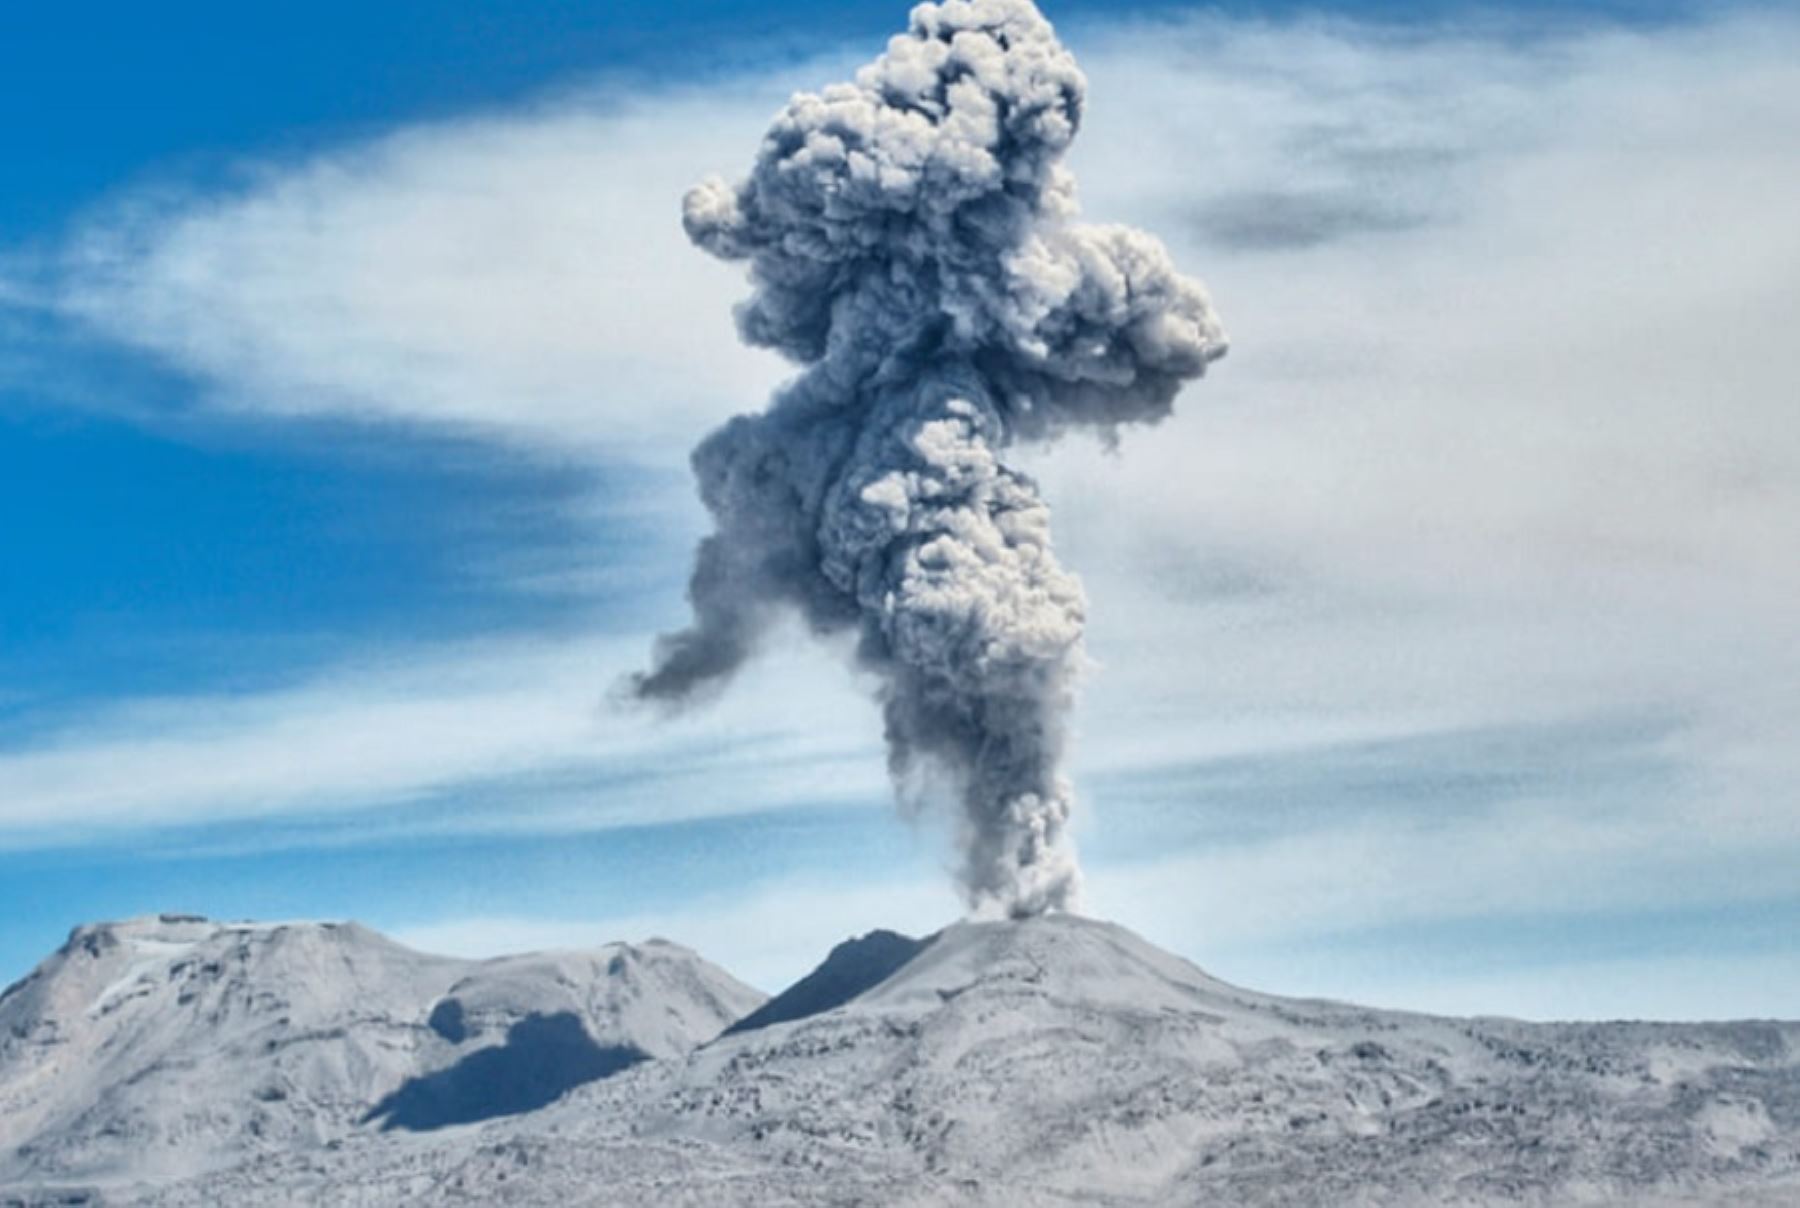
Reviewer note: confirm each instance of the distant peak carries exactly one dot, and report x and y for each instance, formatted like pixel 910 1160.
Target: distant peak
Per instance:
pixel 96 937
pixel 160 931
pixel 851 968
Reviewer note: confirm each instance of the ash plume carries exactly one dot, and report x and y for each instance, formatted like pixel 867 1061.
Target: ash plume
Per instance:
pixel 911 242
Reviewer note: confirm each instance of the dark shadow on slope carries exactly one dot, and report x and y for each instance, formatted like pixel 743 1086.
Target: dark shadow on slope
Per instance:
pixel 446 1020
pixel 543 1057
pixel 852 967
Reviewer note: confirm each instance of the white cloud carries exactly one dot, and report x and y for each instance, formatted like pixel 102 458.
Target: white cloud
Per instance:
pixel 1534 857
pixel 521 275
pixel 1528 454
pixel 530 716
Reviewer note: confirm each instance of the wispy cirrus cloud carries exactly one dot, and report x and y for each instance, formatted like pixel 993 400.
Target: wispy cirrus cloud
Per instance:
pixel 520 276
pixel 528 718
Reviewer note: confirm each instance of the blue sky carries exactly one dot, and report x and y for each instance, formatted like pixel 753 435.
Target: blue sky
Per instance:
pixel 1445 653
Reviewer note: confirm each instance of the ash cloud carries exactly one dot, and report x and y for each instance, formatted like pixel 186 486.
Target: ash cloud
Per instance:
pixel 912 243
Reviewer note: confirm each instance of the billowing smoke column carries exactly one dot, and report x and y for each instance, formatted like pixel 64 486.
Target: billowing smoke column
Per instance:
pixel 911 244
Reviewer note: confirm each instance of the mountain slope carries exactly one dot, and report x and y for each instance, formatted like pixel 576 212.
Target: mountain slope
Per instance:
pixel 161 1048
pixel 851 968
pixel 1064 1061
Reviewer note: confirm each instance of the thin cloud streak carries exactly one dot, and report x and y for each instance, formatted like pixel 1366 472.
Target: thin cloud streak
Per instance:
pixel 443 722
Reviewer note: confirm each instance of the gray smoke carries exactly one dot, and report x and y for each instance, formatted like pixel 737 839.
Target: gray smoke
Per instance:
pixel 911 243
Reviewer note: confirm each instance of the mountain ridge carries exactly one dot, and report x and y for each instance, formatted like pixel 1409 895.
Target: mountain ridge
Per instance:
pixel 1065 1060
pixel 850 969
pixel 168 1046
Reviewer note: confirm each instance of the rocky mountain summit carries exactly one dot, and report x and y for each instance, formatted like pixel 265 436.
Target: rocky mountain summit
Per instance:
pixel 1052 1061
pixel 164 1048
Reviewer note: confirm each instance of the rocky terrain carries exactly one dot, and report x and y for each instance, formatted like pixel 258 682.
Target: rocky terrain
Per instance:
pixel 161 1049
pixel 1054 1061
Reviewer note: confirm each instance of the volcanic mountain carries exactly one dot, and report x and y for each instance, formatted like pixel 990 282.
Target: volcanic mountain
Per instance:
pixel 165 1048
pixel 1055 1060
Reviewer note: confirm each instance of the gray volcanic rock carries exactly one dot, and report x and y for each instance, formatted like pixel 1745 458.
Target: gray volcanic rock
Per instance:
pixel 1065 1061
pixel 162 1048
pixel 851 968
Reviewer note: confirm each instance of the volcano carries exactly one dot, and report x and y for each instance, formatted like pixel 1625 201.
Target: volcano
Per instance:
pixel 1054 1060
